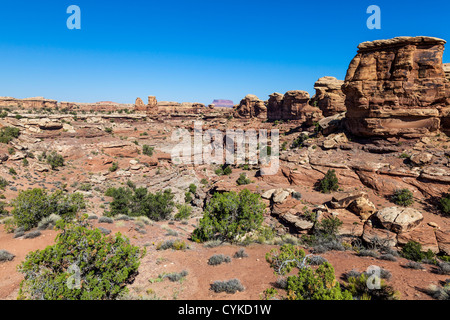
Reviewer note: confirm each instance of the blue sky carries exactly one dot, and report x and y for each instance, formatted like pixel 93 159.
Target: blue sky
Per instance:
pixel 193 50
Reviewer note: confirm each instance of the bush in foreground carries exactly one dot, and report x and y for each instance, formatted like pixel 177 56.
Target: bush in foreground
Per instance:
pixel 230 215
pixel 83 264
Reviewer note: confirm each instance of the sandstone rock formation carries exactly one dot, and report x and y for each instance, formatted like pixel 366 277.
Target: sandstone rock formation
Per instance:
pixel 293 105
pixel 397 87
pixel 250 107
pixel 139 105
pixel 329 96
pixel 447 70
pixel 28 103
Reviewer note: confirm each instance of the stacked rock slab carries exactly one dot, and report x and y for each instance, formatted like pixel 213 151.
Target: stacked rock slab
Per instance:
pixel 293 105
pixel 329 96
pixel 250 107
pixel 397 87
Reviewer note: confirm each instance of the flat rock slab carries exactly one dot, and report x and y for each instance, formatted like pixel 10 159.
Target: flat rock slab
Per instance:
pixel 425 235
pixel 379 236
pixel 443 239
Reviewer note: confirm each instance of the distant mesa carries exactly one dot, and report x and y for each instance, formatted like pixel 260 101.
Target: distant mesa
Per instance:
pixel 221 103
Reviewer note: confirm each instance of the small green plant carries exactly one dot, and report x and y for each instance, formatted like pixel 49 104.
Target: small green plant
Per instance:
pixel 55 160
pixel 413 251
pixel 109 130
pixel 147 150
pixel 444 204
pixel 184 211
pixel 114 167
pixel 329 182
pixel 243 180
pixel 192 188
pixel 8 133
pixel 403 197
pixel 12 171
pixel 298 143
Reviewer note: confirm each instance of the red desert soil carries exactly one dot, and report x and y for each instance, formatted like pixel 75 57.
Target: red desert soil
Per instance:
pixel 253 271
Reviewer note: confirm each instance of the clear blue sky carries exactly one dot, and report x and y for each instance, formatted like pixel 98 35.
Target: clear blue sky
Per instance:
pixel 196 50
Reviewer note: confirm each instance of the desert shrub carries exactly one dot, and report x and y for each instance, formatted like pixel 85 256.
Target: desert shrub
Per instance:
pixel 12 171
pixel 55 160
pixel 184 211
pixel 8 133
pixel 171 244
pixel 105 220
pixel 85 187
pixel 3 183
pixel 240 254
pixel 414 265
pixel 329 182
pixel 316 260
pixel 6 256
pixel 32 234
pixel 172 233
pixel 213 243
pixel 104 230
pixel 403 197
pixel 229 286
pixel 123 217
pixel 175 276
pixel 440 292
pixel 109 130
pixel 192 188
pixel 93 217
pixel 140 202
pixel 187 197
pixel 224 170
pixel 218 259
pixel 48 222
pixel 11 151
pixel 31 206
pixel 368 253
pixel 230 215
pixel 147 150
pixel 443 268
pixel 316 284
pixel 413 251
pixel 359 289
pixel 388 257
pixel 298 143
pixel 297 195
pixel 286 258
pixel 326 230
pixel 104 265
pixel 444 204
pixel 114 166
pixel 25 162
pixel 243 180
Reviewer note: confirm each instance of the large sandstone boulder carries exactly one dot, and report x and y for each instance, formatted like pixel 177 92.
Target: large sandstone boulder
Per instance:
pixel 329 96
pixel 250 107
pixel 397 87
pixel 399 219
